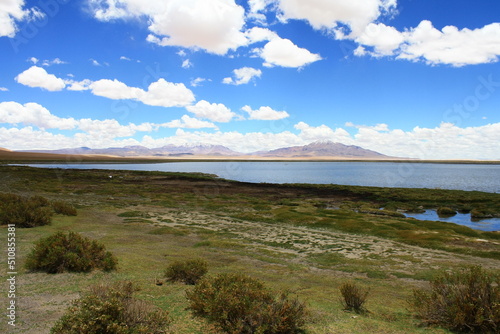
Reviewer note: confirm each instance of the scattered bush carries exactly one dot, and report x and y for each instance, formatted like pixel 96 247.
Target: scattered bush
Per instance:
pixel 189 272
pixel 353 297
pixel 25 212
pixel 112 310
pixel 237 303
pixel 64 208
pixel 31 211
pixel 467 300
pixel 72 252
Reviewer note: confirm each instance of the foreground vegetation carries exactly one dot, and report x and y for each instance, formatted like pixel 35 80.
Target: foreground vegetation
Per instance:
pixel 302 240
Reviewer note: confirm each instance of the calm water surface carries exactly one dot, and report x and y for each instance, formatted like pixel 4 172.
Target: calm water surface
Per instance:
pixel 380 174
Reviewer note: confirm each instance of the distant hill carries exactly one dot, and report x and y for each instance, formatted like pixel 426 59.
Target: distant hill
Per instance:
pixel 323 149
pixel 315 149
pixel 141 151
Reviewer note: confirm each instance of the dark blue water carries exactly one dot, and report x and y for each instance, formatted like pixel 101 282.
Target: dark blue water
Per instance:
pixel 481 177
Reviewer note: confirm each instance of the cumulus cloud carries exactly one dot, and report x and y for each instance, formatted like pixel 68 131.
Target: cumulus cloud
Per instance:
pixel 344 18
pixel 160 93
pixel 279 51
pixel 111 127
pixel 189 123
pixel 322 132
pixel 195 24
pixel 13 12
pixel 265 113
pixel 446 141
pixel 38 77
pixel 282 52
pixel 33 114
pixel 451 45
pixel 78 85
pixel 243 76
pixel 216 112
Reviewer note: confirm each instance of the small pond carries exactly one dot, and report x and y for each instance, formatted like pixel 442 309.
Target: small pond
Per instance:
pixel 489 224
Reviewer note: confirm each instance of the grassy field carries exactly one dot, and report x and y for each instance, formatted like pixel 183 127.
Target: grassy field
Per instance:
pixel 301 238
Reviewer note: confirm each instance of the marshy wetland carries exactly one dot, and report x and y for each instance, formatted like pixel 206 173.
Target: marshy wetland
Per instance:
pixel 303 238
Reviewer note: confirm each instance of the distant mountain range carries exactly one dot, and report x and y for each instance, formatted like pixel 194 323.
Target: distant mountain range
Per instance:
pixel 315 149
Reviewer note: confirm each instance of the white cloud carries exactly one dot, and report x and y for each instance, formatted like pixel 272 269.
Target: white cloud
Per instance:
pixel 47 62
pixel 116 90
pixel 78 85
pixel 282 52
pixel 37 77
pixel 243 76
pixel 13 12
pixel 215 26
pixel 189 123
pixel 336 14
pixel 197 82
pixel 322 132
pixel 187 64
pixel 160 93
pixel 33 114
pixel 95 62
pixel 258 34
pixel 446 141
pixel 4 89
pixel 265 113
pixel 452 46
pixel 112 128
pixel 384 39
pixel 216 112
pixel 449 46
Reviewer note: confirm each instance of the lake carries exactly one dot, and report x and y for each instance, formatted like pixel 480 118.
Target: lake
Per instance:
pixel 481 177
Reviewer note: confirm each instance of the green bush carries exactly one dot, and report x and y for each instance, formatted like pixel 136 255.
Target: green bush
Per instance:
pixel 31 211
pixel 237 303
pixel 188 272
pixel 353 297
pixel 25 212
pixel 467 300
pixel 64 208
pixel 72 252
pixel 112 310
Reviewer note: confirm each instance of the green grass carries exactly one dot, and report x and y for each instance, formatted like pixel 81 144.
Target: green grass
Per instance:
pixel 127 213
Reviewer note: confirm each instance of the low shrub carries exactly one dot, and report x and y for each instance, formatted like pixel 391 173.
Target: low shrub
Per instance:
pixel 353 297
pixel 237 303
pixel 466 300
pixel 25 212
pixel 31 211
pixel 64 208
pixel 188 272
pixel 112 310
pixel 69 252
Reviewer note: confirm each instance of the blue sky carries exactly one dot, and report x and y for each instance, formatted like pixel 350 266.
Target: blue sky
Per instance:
pixel 407 78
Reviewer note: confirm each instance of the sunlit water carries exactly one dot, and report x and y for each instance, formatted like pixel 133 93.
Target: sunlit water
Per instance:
pixel 491 224
pixel 479 177
pixel 379 174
